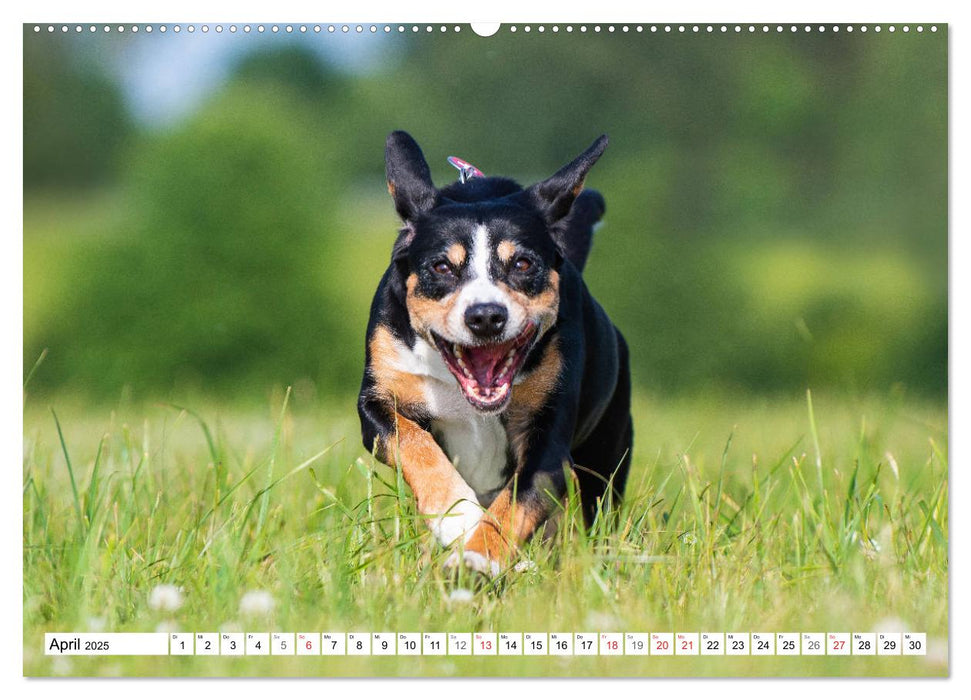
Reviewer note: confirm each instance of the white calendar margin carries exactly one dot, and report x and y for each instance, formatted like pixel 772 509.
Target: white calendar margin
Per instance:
pixel 11 645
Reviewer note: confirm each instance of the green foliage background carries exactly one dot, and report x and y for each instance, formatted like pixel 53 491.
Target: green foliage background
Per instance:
pixel 777 204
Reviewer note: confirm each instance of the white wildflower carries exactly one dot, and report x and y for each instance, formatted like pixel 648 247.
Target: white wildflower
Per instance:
pixel 602 621
pixel 870 547
pixel 461 595
pixel 256 603
pixel 890 625
pixel 523 566
pixel 165 597
pixel 166 627
pixel 96 624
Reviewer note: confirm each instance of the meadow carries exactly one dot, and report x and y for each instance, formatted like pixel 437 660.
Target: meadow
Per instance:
pixel 799 513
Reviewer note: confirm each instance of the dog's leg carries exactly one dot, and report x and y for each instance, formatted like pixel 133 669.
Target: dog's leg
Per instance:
pixel 442 496
pixel 603 460
pixel 440 491
pixel 520 508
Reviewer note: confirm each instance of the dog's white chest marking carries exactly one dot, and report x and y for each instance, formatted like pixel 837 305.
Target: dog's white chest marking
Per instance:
pixel 477 446
pixel 476 443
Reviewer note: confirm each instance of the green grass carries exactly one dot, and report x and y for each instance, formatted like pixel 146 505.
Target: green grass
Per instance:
pixel 741 515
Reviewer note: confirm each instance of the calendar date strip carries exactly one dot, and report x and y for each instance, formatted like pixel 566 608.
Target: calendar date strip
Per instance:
pixel 486 644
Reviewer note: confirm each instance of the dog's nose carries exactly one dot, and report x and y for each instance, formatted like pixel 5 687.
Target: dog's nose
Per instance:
pixel 486 320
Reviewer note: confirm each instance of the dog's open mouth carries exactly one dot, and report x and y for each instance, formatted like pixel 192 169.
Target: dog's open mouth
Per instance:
pixel 485 372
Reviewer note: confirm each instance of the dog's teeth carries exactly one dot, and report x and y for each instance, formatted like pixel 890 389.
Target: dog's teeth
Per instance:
pixel 458 352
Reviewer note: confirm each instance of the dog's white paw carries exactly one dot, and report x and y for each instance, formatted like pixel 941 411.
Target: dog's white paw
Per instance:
pixel 459 522
pixel 475 561
pixel 481 563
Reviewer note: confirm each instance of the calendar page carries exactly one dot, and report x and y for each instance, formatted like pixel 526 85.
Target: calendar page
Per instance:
pixel 512 350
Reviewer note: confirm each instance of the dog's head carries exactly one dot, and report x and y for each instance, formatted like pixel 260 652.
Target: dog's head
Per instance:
pixel 479 264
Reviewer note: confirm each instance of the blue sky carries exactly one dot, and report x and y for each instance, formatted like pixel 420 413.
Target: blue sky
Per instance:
pixel 165 77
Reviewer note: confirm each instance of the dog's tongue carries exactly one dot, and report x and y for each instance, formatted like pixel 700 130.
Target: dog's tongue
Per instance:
pixel 484 362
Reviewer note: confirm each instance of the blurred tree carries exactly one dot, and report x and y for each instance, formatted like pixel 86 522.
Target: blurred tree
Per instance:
pixel 217 280
pixel 293 66
pixel 74 117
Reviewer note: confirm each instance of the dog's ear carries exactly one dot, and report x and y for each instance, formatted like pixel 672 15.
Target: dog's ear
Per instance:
pixel 409 179
pixel 399 251
pixel 555 195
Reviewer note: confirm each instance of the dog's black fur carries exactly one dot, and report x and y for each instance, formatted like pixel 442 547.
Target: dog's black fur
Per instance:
pixel 569 403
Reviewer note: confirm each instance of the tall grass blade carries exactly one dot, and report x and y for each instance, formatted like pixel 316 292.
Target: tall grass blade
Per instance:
pixel 721 477
pixel 265 502
pixel 91 497
pixel 213 452
pixel 815 434
pixel 33 370
pixel 70 471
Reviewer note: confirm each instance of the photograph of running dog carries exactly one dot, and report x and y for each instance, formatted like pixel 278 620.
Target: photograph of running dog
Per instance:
pixel 490 367
pixel 371 331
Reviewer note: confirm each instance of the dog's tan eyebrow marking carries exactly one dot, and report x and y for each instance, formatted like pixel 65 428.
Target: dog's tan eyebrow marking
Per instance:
pixel 456 254
pixel 505 250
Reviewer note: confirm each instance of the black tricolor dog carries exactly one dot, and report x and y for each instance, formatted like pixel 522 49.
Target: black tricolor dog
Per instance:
pixel 489 366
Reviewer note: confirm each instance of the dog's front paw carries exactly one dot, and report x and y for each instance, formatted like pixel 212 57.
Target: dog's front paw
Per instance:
pixel 486 550
pixel 475 561
pixel 458 523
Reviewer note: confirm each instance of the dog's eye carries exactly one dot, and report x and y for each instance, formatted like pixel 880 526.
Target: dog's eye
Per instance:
pixel 442 267
pixel 522 264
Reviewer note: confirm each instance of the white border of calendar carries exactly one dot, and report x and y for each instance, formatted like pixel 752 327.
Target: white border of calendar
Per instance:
pixel 828 11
